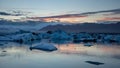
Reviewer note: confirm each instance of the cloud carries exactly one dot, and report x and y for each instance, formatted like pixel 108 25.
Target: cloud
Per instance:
pixel 60 18
pixel 114 11
pixel 105 15
pixel 21 12
pixel 110 19
pixel 4 13
pixel 14 13
pixel 10 14
pixel 66 16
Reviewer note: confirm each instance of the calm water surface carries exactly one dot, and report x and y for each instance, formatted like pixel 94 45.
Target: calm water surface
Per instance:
pixel 15 55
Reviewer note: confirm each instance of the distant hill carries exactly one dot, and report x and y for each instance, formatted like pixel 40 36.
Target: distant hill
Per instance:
pixel 86 27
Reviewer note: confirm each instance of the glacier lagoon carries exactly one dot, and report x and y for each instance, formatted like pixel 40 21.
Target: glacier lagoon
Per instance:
pixel 85 51
pixel 67 55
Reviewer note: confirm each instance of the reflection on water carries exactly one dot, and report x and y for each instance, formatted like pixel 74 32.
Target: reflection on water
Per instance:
pixel 14 55
pixel 96 50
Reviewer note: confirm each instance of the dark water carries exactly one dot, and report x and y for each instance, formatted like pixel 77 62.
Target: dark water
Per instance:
pixel 15 55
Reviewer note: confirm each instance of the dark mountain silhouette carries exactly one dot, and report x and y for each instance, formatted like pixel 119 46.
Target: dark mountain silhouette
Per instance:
pixel 86 27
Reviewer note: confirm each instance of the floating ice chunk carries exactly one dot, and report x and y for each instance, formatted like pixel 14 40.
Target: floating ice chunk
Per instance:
pixel 117 38
pixel 60 35
pixel 45 35
pixel 88 44
pixel 94 62
pixel 26 37
pixel 108 37
pixel 83 37
pixel 44 47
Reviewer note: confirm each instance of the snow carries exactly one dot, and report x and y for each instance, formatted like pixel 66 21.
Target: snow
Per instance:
pixel 44 47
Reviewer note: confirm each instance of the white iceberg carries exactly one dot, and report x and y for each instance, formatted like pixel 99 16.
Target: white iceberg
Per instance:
pixel 60 35
pixel 26 37
pixel 44 47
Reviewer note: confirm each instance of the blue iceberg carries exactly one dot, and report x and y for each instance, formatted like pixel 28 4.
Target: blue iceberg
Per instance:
pixel 44 47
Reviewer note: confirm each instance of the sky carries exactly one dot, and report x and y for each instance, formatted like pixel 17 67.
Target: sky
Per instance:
pixel 17 9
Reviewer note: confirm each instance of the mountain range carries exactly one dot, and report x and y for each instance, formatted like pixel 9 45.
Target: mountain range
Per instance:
pixel 85 27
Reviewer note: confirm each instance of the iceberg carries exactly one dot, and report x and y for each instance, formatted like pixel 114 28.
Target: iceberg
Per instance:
pixel 3 38
pixel 88 44
pixel 94 62
pixel 44 47
pixel 117 38
pixel 83 37
pixel 60 35
pixel 26 37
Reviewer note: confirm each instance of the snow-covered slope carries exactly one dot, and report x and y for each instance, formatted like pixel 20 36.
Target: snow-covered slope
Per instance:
pixel 16 28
